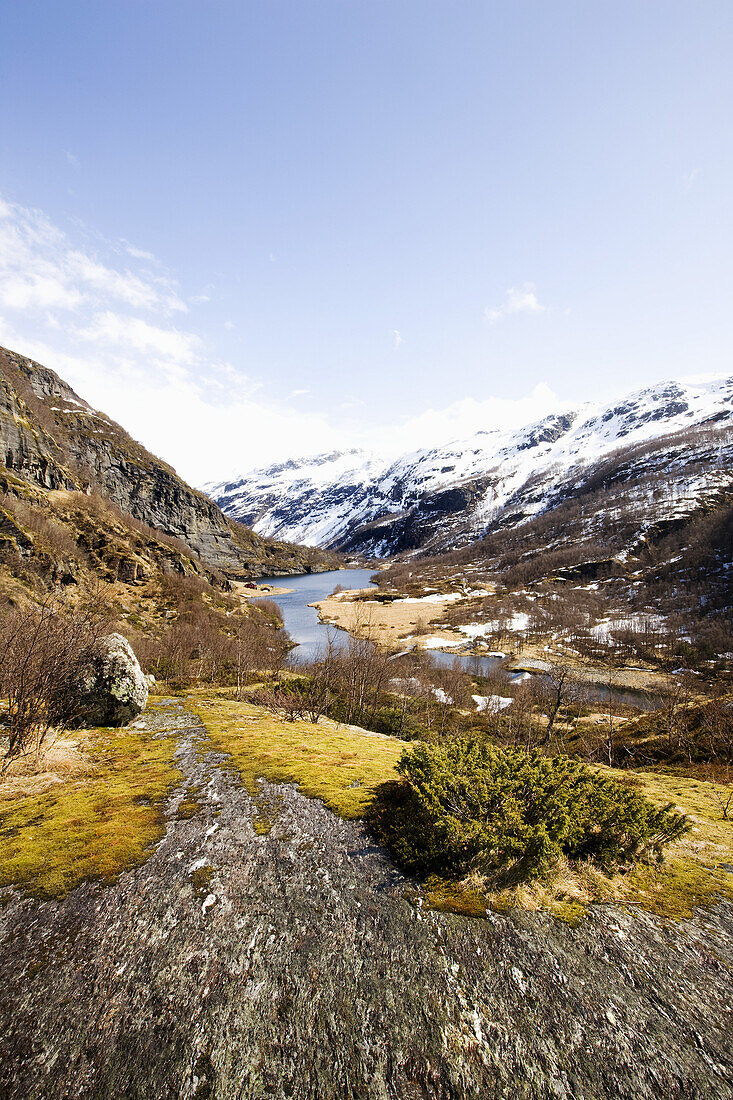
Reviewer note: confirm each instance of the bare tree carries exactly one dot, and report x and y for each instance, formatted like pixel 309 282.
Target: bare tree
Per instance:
pixel 554 692
pixel 722 793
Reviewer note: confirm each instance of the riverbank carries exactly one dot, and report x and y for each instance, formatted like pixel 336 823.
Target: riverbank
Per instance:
pixel 252 590
pixel 413 623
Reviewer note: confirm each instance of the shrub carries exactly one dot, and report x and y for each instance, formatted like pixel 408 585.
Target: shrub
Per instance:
pixel 43 651
pixel 468 806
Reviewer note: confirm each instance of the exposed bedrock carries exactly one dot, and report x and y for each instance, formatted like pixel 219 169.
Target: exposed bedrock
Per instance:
pixel 301 964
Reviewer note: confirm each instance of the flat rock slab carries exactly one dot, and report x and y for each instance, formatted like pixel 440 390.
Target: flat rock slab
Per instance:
pixel 301 964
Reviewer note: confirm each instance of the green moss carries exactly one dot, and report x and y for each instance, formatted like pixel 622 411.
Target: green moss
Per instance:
pixel 201 880
pixel 341 765
pixel 455 897
pixel 93 826
pixel 187 809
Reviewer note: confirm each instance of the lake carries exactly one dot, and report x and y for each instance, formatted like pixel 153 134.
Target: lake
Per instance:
pixel 301 621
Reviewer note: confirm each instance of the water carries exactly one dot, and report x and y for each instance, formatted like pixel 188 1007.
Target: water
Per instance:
pixel 311 635
pixel 488 666
pixel 301 621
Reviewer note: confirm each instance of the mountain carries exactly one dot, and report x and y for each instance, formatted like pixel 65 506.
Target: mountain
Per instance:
pixel 79 492
pixel 657 455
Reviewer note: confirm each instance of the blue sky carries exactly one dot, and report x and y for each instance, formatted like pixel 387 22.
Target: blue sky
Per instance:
pixel 278 227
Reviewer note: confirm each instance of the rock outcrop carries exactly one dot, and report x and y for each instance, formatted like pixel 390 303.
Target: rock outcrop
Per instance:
pixel 113 689
pixel 301 964
pixel 51 438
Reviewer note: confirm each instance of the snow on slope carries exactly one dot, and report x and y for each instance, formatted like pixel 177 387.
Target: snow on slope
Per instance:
pixel 354 499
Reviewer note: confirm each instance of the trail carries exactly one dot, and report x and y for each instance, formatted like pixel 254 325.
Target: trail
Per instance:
pixel 301 964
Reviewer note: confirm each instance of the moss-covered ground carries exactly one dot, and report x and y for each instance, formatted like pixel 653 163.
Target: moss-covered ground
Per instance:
pixel 92 825
pixel 339 764
pixel 342 765
pixel 99 822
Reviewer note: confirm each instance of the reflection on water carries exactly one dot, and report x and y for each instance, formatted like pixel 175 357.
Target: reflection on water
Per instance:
pixel 488 666
pixel 301 621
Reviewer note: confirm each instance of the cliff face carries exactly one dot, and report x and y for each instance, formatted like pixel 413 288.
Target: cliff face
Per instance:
pixel 53 439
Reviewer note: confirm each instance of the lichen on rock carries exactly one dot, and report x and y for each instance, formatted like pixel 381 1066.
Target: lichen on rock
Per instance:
pixel 113 688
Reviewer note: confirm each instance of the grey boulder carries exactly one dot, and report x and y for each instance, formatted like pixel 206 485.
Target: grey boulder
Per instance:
pixel 113 688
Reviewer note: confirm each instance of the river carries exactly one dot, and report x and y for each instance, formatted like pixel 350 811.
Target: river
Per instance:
pixel 301 621
pixel 311 635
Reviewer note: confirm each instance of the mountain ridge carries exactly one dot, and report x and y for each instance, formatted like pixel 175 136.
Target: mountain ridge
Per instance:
pixel 441 497
pixel 51 441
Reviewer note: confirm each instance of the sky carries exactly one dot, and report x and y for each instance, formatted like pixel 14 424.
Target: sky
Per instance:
pixel 253 230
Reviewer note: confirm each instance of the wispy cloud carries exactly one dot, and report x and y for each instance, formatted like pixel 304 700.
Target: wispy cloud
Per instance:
pixel 125 338
pixel 522 300
pixel 73 161
pixel 464 417
pixel 112 328
pixel 137 253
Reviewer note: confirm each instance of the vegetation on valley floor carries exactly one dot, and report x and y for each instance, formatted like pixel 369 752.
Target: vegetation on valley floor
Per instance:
pixel 93 811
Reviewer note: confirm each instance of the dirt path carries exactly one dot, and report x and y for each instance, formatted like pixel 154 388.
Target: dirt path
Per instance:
pixel 301 964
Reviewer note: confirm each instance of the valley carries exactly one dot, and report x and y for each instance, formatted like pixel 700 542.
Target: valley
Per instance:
pixel 233 888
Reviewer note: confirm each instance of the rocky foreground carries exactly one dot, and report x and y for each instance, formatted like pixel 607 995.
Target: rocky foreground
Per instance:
pixel 300 964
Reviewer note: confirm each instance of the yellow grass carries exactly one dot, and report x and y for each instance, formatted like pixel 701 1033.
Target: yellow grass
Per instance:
pixel 339 764
pixel 389 624
pixel 92 821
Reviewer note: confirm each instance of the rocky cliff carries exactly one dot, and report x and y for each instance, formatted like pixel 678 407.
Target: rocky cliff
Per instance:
pixel 52 439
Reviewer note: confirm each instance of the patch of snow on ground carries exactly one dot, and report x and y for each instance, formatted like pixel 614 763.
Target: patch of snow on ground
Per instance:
pixel 491 703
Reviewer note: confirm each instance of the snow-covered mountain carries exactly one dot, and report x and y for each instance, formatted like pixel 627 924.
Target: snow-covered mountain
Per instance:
pixel 664 450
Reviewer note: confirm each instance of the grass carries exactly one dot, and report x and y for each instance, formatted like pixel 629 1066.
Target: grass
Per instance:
pixel 90 826
pixel 693 874
pixel 341 765
pixel 101 815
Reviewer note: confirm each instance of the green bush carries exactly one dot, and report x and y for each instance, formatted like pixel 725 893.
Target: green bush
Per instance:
pixel 467 805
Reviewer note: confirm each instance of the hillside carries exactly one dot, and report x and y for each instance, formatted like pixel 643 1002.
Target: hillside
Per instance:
pixel 652 459
pixel 82 496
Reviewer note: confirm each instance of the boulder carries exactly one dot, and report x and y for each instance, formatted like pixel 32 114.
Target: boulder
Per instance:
pixel 113 688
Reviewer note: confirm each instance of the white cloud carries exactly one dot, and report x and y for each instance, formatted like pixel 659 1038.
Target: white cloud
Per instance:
pixel 299 393
pixel 73 161
pixel 461 419
pixel 523 300
pixel 126 333
pixel 112 329
pixel 689 178
pixel 138 253
pixel 397 337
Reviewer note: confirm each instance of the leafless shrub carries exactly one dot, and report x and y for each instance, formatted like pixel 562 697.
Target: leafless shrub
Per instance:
pixel 43 650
